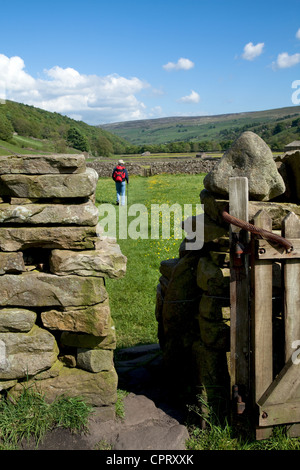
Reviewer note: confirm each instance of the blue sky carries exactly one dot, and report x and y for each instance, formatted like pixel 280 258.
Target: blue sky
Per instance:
pixel 109 61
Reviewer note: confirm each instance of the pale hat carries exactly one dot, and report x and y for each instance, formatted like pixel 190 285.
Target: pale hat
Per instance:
pixel 121 162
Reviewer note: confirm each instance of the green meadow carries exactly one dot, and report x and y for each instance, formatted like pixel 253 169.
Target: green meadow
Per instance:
pixel 132 298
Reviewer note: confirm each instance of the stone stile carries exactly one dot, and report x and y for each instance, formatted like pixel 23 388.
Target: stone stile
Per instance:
pixel 56 329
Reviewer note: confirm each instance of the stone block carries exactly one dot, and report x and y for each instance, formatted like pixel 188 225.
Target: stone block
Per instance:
pixel 12 263
pixel 213 207
pixel 214 334
pixel 42 164
pixel 86 341
pixel 214 309
pixel 291 162
pixel 49 214
pixel 213 375
pixel 49 186
pixel 204 229
pixel 167 266
pixel 92 320
pixel 211 278
pixel 61 237
pixel 16 319
pixel 97 389
pixel 159 303
pixel 220 258
pixel 7 384
pixel 34 289
pixel 27 353
pixel 95 360
pixel 108 262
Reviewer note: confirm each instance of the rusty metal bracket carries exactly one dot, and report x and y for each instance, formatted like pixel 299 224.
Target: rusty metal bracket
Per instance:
pixel 270 236
pixel 238 402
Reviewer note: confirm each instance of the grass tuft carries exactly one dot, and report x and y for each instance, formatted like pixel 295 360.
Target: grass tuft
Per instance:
pixel 30 416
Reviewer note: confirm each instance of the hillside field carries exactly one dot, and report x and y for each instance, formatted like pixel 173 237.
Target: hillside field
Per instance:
pixel 277 127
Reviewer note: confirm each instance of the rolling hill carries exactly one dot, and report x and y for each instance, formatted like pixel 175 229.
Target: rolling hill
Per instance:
pixel 26 129
pixel 24 126
pixel 276 126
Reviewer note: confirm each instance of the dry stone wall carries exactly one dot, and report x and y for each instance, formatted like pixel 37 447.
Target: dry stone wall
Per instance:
pixel 153 167
pixel 193 294
pixel 56 330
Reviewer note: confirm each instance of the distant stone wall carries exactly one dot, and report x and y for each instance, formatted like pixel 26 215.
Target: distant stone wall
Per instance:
pixel 56 330
pixel 105 169
pixel 153 167
pixel 189 167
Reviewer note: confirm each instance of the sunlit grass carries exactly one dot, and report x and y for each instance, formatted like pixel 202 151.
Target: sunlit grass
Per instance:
pixel 31 417
pixel 133 298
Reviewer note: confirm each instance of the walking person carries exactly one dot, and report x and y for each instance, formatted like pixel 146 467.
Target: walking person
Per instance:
pixel 120 176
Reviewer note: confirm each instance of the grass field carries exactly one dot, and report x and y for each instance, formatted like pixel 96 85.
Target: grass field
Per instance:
pixel 133 298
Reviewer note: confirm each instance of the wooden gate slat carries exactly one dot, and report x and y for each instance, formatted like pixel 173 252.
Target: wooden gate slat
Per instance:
pixel 291 229
pixel 261 274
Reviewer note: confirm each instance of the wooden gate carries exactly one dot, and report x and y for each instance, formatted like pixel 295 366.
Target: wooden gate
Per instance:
pixel 265 318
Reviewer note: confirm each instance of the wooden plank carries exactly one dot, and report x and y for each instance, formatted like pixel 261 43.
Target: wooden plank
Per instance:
pixel 266 250
pixel 239 289
pixel 291 229
pixel 285 387
pixel 263 433
pixel 282 413
pixel 280 404
pixel 261 312
pixel 293 430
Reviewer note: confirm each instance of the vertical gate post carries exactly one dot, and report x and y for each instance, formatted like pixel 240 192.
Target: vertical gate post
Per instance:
pixel 239 288
pixel 261 272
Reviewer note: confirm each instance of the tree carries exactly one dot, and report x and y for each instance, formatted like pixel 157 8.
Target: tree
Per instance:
pixel 77 140
pixel 278 128
pixel 6 128
pixel 103 146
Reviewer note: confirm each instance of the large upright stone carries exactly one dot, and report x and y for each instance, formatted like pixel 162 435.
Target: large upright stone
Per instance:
pixel 250 157
pixel 49 186
pixel 41 164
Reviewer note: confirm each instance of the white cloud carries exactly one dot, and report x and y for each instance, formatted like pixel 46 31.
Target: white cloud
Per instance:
pixel 251 51
pixel 156 111
pixel 298 34
pixel 181 64
pixel 284 60
pixel 194 97
pixel 92 98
